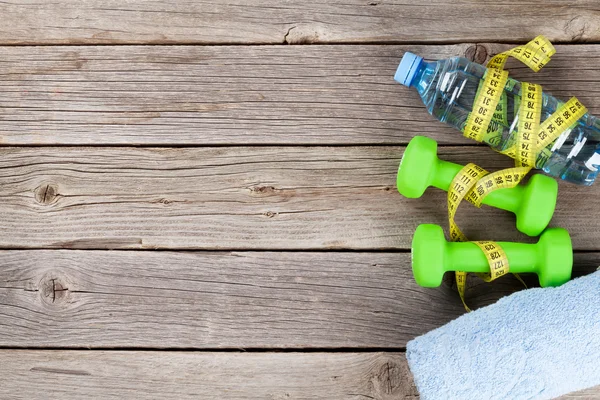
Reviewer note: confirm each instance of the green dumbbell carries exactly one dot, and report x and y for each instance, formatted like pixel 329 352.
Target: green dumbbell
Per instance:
pixel 551 258
pixel 532 203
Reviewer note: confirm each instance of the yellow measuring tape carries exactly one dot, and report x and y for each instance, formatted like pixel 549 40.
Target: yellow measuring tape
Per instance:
pixel 473 183
pixel 529 114
pixel 485 104
pixel 461 186
pixel 534 54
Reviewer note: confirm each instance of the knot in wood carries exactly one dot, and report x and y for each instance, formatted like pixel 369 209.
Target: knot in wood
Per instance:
pixel 477 53
pixel 54 290
pixel 389 379
pixel 262 189
pixel 46 193
pixel 270 214
pixel 577 27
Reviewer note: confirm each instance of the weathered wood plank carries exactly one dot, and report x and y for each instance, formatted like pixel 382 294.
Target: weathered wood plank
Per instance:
pixel 242 198
pixel 588 394
pixel 203 300
pixel 69 375
pixel 196 95
pixel 99 299
pixel 258 21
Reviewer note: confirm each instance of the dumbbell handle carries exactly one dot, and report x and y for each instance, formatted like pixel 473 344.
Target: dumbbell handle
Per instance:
pixel 468 257
pixel 505 199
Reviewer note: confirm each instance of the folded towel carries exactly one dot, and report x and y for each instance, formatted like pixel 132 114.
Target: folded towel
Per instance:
pixel 534 344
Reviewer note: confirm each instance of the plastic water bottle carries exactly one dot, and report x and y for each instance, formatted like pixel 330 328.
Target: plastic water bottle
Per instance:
pixel 448 88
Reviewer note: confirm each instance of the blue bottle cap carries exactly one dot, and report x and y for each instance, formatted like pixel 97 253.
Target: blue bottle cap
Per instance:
pixel 408 68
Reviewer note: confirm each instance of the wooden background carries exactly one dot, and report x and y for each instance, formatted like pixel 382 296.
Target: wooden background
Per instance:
pixel 198 198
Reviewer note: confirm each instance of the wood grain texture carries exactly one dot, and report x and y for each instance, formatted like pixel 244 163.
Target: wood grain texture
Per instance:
pixel 242 198
pixel 311 21
pixel 200 300
pixel 202 95
pixel 68 375
pixel 588 394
